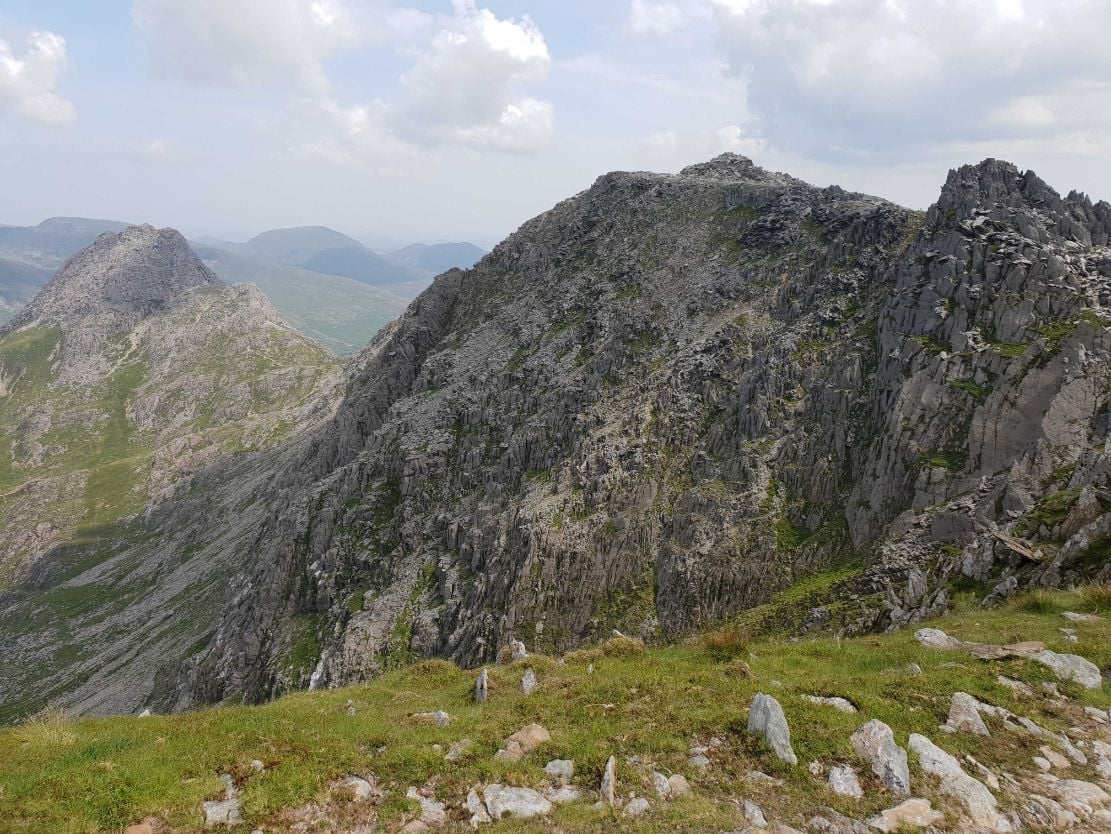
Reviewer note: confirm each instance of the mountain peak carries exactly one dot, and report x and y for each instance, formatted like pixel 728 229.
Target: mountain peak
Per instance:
pixel 132 272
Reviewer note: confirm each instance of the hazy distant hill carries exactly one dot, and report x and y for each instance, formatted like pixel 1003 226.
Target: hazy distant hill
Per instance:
pixel 53 240
pixel 340 313
pixel 435 258
pixel 19 282
pixel 320 249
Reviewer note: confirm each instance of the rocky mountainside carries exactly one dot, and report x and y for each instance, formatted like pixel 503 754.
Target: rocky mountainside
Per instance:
pixel 134 369
pixel 654 407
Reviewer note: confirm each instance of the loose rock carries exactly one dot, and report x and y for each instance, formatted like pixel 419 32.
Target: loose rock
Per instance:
pixel 964 715
pixel 560 771
pixel 1071 667
pixel 976 798
pixel 875 742
pixel 636 807
pixel 609 783
pixel 523 742
pixel 837 703
pixel 504 801
pixel 766 718
pixel 844 782
pixel 482 686
pixel 529 682
pixel 914 813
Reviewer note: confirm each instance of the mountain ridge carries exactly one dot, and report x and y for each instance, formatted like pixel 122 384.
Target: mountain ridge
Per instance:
pixel 658 404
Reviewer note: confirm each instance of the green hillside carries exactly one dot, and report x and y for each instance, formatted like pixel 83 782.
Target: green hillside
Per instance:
pixel 646 707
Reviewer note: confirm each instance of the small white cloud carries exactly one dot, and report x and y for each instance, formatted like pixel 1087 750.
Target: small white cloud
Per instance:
pixel 649 18
pixel 28 81
pixel 661 140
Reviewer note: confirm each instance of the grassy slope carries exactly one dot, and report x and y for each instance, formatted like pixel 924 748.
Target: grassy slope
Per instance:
pixel 102 774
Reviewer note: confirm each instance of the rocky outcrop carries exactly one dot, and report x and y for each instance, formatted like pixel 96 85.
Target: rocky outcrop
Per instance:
pixel 672 396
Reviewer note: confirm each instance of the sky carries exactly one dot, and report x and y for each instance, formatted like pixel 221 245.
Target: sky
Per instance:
pixel 436 120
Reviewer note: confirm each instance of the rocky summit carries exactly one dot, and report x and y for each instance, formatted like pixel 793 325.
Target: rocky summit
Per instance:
pixel 653 408
pixel 131 377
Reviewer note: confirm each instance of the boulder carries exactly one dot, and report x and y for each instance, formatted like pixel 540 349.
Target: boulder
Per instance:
pixel 964 715
pixel 1071 667
pixel 913 813
pixel 432 812
pixel 835 702
pixel 680 787
pixel 359 788
pixel 529 682
pixel 504 801
pixel 875 742
pixel 609 783
pixel 978 801
pixel 844 782
pixel 439 718
pixel 517 650
pixel 766 718
pixel 560 771
pixel 660 785
pixel 523 742
pixel 482 686
pixel 754 814
pixel 637 806
pixel 458 750
pixel 933 638
pixel 1081 797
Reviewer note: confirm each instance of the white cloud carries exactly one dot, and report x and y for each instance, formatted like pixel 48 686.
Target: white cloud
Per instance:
pixel 649 18
pixel 27 81
pixel 466 87
pixel 883 78
pixel 737 140
pixel 246 41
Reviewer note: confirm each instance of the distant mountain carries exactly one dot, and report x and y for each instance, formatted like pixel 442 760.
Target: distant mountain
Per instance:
pixel 53 240
pixel 19 282
pixel 320 249
pixel 340 313
pixel 134 369
pixel 435 258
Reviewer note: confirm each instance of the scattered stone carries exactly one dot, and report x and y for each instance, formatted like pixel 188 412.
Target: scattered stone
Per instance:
pixel 1055 759
pixel 828 821
pixel 1098 715
pixel 257 765
pixel 517 650
pixel 933 638
pixel 1078 796
pixel 1070 635
pixel 529 682
pixel 477 809
pixel 964 716
pixel 518 802
pixel 139 828
pixel 523 742
pixel 561 796
pixel 609 783
pixel 1047 813
pixel 835 702
pixel 224 811
pixel 816 768
pixel 360 789
pixel 432 812
pixel 875 742
pixel 1103 758
pixel 914 813
pixel 482 686
pixel 145 713
pixel 754 814
pixel 1071 667
pixel 843 781
pixel 766 718
pixel 661 785
pixel 560 771
pixel 636 807
pixel 458 750
pixel 1042 764
pixel 988 778
pixel 1071 751
pixel 1074 617
pixel 699 761
pixel 439 718
pixel 914 669
pixel 1018 687
pixel 680 787
pixel 977 799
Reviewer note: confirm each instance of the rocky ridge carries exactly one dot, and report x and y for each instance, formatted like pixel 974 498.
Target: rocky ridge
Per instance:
pixel 667 399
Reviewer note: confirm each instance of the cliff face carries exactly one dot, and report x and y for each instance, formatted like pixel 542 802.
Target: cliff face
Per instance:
pixel 659 403
pixel 671 396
